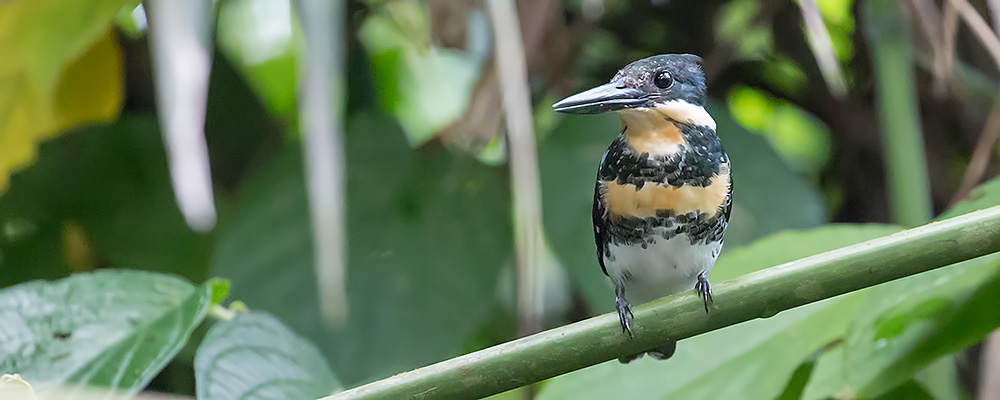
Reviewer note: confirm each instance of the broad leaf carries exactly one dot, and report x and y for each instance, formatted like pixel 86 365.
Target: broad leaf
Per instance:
pixel 114 329
pixel 61 67
pixel 428 234
pixel 255 356
pixel 753 360
pixel 266 57
pixel 910 323
pixel 111 181
pixel 768 196
pixel 425 87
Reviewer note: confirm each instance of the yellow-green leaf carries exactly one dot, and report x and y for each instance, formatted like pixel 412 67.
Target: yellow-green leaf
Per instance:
pixel 61 68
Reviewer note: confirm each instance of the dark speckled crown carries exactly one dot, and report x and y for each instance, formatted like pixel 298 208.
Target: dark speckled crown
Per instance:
pixel 689 80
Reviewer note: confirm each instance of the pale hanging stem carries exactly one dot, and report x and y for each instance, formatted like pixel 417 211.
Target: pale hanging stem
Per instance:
pixel 994 6
pixel 950 21
pixel 991 131
pixel 513 76
pixel 929 21
pixel 180 42
pixel 321 76
pixel 979 27
pixel 989 365
pixel 822 48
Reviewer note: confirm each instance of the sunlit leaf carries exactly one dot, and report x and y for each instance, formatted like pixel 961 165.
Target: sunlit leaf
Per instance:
pixel 113 328
pixel 738 27
pixel 261 38
pixel 36 102
pixel 801 139
pixel 255 356
pixel 426 87
pixel 753 360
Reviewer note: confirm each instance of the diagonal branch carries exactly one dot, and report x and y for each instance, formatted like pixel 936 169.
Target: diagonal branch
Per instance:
pixel 760 294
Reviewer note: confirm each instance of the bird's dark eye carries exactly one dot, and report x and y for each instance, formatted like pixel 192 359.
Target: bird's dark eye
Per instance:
pixel 663 80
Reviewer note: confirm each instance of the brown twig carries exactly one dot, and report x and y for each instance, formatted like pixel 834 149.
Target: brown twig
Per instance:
pixel 822 47
pixel 929 20
pixel 979 27
pixel 980 154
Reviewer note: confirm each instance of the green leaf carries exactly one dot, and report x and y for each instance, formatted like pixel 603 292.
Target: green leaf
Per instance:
pixel 110 329
pixel 768 196
pixel 428 234
pixel 266 57
pixel 61 67
pixel 112 181
pixel 753 360
pixel 255 356
pixel 908 324
pixel 424 86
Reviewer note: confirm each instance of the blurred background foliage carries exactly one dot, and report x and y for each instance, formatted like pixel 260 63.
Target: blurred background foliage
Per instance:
pixel 84 181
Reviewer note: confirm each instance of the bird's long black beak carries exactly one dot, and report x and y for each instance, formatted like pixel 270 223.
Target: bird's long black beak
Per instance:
pixel 608 97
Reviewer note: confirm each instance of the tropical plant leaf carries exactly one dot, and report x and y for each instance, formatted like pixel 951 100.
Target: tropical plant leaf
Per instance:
pixel 753 360
pixel 910 323
pixel 255 356
pixel 111 181
pixel 55 76
pixel 428 235
pixel 425 87
pixel 114 329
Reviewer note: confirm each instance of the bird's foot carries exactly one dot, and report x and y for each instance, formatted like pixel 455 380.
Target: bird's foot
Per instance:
pixel 704 289
pixel 624 314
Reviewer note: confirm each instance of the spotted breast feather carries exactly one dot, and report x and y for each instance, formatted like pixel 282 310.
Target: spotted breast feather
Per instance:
pixel 641 199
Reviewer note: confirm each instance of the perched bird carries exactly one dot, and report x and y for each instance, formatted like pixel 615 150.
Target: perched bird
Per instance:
pixel 664 190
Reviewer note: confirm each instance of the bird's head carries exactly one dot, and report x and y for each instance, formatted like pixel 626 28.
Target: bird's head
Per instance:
pixel 672 84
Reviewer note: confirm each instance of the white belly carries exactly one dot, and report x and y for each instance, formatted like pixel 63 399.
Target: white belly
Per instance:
pixel 665 267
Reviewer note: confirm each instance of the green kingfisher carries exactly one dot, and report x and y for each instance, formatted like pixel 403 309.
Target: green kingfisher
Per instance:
pixel 664 190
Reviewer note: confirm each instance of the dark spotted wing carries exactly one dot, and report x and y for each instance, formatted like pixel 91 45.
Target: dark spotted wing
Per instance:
pixel 729 198
pixel 600 223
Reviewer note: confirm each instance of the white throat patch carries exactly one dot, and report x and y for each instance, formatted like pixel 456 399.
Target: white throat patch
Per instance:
pixel 682 111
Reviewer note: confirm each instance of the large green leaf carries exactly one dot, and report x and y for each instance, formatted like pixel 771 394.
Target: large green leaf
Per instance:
pixel 111 329
pixel 909 323
pixel 768 196
pixel 255 356
pixel 753 360
pixel 61 67
pixel 428 234
pixel 111 181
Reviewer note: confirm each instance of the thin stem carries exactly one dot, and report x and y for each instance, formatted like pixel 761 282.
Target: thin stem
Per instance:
pixel 980 154
pixel 180 42
pixel 822 48
pixel 321 78
pixel 899 118
pixel 760 294
pixel 979 27
pixel 989 370
pixel 513 76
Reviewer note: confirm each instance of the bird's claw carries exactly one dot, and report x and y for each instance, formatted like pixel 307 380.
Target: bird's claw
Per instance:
pixel 704 289
pixel 624 314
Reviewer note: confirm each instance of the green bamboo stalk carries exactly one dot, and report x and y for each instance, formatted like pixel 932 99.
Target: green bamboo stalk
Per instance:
pixel 758 295
pixel 899 118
